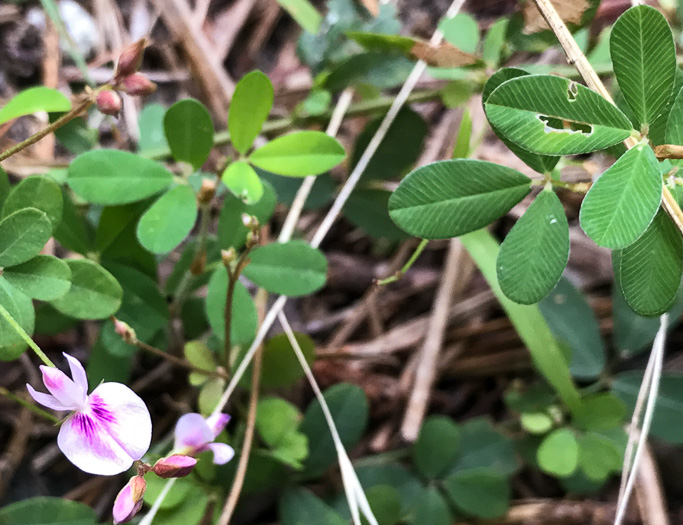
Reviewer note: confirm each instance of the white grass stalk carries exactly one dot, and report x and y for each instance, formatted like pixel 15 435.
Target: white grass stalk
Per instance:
pixel 147 520
pixel 650 393
pixel 358 502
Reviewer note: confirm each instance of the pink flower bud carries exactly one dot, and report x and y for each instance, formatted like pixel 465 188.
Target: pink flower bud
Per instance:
pixel 138 85
pixel 130 59
pixel 125 331
pixel 175 466
pixel 108 102
pixel 129 500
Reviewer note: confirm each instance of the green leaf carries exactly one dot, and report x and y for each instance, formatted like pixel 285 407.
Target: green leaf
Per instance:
pixel 644 60
pixel 482 446
pixel 189 132
pixel 374 471
pixel 94 293
pixel 598 456
pixel 668 415
pixel 176 495
pixel 298 506
pixel 527 320
pixel 47 511
pixel 231 230
pixel 73 232
pixel 168 221
pixel 110 177
pixel 453 197
pixel 536 422
pixel 381 70
pixel 431 509
pixel 369 210
pixel 244 318
pixel 385 502
pixel 37 192
pixel 20 307
pixel 436 447
pixel 151 124
pixel 462 31
pixel 494 42
pixel 191 512
pixel 33 100
pixel 539 163
pixel 649 271
pixel 623 201
pixel 558 454
pixel 280 367
pixel 243 181
pixel 555 116
pixel 251 103
pixel 349 408
pixel 461 150
pixel 299 154
pixel 44 277
pixel 275 418
pixel 200 356
pixel 600 412
pixel 304 13
pixel 535 252
pixel 292 268
pixel 480 492
pixel 4 187
pixel 565 309
pixel 674 124
pixel 22 235
pixel 104 367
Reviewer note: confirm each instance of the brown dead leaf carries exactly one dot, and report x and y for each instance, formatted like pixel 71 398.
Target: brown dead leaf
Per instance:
pixel 443 55
pixel 570 11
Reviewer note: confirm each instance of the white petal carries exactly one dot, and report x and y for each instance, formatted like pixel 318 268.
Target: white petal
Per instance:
pixel 217 422
pixel 191 430
pixel 222 453
pixel 80 379
pixel 62 387
pixel 113 430
pixel 46 399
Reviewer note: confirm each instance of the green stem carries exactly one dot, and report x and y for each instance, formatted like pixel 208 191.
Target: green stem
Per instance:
pixel 22 333
pixel 393 278
pixel 30 406
pixel 64 119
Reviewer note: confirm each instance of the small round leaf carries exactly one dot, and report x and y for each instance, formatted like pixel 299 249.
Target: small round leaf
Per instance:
pixel 22 235
pixel 558 454
pixel 44 277
pixel 189 131
pixel 37 192
pixel 168 221
pixel 243 181
pixel 249 108
pixel 480 492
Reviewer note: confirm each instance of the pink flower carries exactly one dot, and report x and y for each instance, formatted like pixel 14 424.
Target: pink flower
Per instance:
pixel 175 466
pixel 194 434
pixel 129 500
pixel 107 431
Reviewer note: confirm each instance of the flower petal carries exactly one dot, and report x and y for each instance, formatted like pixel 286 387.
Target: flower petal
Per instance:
pixel 217 422
pixel 222 453
pixel 113 430
pixel 63 388
pixel 80 379
pixel 46 399
pixel 191 431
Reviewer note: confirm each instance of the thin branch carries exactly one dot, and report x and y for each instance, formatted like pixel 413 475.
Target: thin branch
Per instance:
pixel 178 361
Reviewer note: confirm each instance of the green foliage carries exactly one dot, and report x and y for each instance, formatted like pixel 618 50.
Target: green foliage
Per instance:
pixel 243 181
pixel 432 509
pixel 20 308
pixel 462 31
pixel 482 492
pixel 33 100
pixel 168 221
pixel 299 154
pixel 251 103
pixel 555 116
pixel 598 456
pixel 231 230
pixel 644 59
pixel 482 446
pixel 189 131
pixel 37 192
pixel 623 201
pixel 277 422
pixel 280 367
pixel 292 268
pixel 436 447
pixel 113 177
pixel 298 506
pixel 244 318
pixel 47 511
pixel 600 412
pixel 151 124
pixel 304 13
pixel 453 197
pixel 535 252
pixel 369 210
pixel 22 235
pixel 44 277
pixel 558 454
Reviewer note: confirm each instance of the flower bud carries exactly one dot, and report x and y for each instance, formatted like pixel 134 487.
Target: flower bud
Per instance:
pixel 130 60
pixel 138 84
pixel 175 466
pixel 206 191
pixel 228 256
pixel 108 102
pixel 250 221
pixel 125 331
pixel 129 500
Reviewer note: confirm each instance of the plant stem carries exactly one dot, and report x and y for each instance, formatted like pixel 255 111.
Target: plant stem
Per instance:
pixel 576 57
pixel 22 333
pixel 39 411
pixel 404 269
pixel 178 361
pixel 64 119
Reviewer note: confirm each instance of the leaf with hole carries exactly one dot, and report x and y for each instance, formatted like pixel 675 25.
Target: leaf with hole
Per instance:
pixel 243 181
pixel 20 307
pixel 558 453
pixel 535 252
pixel 299 154
pixel 481 492
pixel 555 116
pixel 649 271
pixel 94 293
pixel 292 268
pixel 33 100
pixel 189 131
pixel 453 197
pixel 109 177
pixel 44 277
pixel 644 60
pixel 623 201
pixel 22 235
pixel 251 103
pixel 168 221
pixel 38 192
